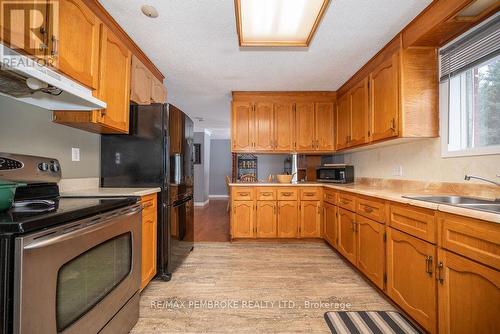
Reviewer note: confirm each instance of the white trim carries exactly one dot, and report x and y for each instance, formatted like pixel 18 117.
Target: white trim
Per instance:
pixel 201 203
pixel 218 196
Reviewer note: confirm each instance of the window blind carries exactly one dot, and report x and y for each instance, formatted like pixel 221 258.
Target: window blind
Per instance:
pixel 472 49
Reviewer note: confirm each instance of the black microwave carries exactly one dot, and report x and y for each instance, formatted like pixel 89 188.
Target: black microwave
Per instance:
pixel 335 173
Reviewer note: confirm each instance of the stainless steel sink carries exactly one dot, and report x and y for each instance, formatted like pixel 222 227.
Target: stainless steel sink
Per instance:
pixel 465 202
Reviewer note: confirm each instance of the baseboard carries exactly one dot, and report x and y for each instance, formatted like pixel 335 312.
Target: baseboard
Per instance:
pixel 218 196
pixel 201 203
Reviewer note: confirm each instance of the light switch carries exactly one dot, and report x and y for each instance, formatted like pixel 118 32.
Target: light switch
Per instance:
pixel 75 154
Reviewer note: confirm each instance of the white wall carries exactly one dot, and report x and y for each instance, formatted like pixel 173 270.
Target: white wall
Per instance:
pixel 201 171
pixel 421 160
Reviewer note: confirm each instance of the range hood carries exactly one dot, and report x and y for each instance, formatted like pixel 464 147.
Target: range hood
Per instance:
pixel 29 81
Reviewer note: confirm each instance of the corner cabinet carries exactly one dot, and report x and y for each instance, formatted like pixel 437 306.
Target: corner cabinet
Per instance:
pixel 114 89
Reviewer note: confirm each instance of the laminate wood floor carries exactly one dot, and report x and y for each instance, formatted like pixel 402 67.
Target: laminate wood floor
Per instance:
pixel 211 222
pixel 255 287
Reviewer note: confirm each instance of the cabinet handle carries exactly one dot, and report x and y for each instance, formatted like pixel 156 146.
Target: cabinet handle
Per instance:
pixel 286 194
pixel 55 46
pixel 266 194
pixel 393 125
pixel 439 276
pixel 243 194
pixel 309 194
pixel 368 209
pixel 428 265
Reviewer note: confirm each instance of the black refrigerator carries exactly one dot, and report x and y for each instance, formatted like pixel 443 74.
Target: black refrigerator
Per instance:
pixel 158 152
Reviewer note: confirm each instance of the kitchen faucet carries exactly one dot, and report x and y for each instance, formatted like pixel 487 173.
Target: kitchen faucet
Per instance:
pixel 468 177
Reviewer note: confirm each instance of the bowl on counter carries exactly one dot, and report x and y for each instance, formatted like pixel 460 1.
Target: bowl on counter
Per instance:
pixel 284 178
pixel 7 192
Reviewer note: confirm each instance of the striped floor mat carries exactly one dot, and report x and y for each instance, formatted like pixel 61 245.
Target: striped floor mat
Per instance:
pixel 345 322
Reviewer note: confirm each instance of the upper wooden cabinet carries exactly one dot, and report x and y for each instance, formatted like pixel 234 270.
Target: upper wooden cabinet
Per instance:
pixel 283 122
pixel 76 49
pixel 394 95
pixel 145 88
pixel 114 89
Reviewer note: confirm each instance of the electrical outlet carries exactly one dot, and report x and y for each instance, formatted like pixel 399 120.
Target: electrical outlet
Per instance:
pixel 75 154
pixel 397 171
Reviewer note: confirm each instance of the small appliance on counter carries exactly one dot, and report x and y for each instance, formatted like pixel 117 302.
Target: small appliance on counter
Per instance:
pixel 54 248
pixel 335 173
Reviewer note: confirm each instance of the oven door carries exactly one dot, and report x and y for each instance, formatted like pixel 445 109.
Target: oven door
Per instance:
pixel 74 278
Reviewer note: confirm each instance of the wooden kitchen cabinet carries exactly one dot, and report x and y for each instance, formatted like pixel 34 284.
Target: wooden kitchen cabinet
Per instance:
pixel 149 242
pixel 330 222
pixel 284 127
pixel 114 89
pixel 469 296
pixel 288 219
pixel 310 219
pixel 264 126
pixel 76 49
pixel 359 114
pixel 347 236
pixel 370 249
pixel 324 129
pixel 343 123
pixel 140 83
pixel 266 219
pixel 304 127
pixel 243 126
pixel 384 86
pixel 243 219
pixel 411 279
pixel 158 91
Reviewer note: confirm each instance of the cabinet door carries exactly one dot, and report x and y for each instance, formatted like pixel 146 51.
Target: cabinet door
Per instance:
pixel 140 83
pixel 284 127
pixel 304 126
pixel 148 265
pixel 24 26
pixel 469 296
pixel 384 93
pixel 410 277
pixel 76 51
pixel 114 82
pixel 158 91
pixel 243 219
pixel 343 124
pixel 347 235
pixel 310 219
pixel 288 219
pixel 243 126
pixel 359 113
pixel 324 127
pixel 331 227
pixel 370 252
pixel 266 219
pixel 264 119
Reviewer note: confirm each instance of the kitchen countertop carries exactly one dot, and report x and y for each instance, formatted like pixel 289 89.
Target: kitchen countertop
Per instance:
pixel 387 194
pixel 111 192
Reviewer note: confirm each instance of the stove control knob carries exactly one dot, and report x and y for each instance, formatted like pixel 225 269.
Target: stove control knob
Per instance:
pixel 54 168
pixel 43 166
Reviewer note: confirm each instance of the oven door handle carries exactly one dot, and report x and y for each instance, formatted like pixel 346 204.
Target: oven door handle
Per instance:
pixel 89 225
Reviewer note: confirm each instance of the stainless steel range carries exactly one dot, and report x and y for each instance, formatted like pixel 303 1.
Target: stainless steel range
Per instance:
pixel 68 265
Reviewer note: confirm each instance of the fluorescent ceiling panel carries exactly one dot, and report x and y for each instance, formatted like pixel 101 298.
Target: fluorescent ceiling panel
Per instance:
pixel 278 22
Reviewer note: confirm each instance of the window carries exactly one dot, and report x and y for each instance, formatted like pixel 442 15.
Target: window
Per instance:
pixel 470 93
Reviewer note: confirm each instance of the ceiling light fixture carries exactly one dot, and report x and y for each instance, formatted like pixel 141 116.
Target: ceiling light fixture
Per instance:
pixel 278 22
pixel 149 11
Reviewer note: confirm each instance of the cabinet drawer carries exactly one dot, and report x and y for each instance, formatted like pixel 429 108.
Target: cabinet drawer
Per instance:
pixel 329 196
pixel 287 194
pixel 372 208
pixel 149 204
pixel 310 194
pixel 476 239
pixel 346 201
pixel 415 221
pixel 266 194
pixel 242 194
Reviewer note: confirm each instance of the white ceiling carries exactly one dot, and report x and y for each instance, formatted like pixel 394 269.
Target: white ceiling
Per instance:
pixel 195 45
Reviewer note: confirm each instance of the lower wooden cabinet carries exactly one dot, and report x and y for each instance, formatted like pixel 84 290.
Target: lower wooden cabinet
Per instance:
pixel 266 226
pixel 288 219
pixel 370 249
pixel 242 219
pixel 469 296
pixel 330 223
pixel 148 239
pixel 310 219
pixel 347 235
pixel 411 282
